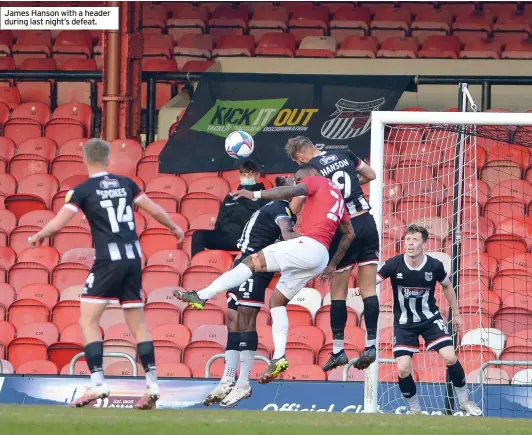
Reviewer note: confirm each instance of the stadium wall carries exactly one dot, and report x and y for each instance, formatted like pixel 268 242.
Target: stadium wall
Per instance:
pixel 431 97
pixel 286 396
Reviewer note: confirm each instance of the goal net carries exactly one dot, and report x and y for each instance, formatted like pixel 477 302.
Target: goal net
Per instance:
pixel 464 177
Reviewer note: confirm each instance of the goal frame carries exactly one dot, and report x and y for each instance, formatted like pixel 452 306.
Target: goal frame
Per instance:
pixel 379 121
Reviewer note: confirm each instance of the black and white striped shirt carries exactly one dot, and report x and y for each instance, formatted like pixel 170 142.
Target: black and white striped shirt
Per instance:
pixel 107 201
pixel 262 228
pixel 413 288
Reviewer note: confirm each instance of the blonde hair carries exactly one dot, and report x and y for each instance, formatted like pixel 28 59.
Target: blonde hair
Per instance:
pixel 97 151
pixel 297 144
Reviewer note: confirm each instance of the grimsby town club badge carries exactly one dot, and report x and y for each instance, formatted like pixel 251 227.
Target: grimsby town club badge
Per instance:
pixel 428 276
pixel 351 119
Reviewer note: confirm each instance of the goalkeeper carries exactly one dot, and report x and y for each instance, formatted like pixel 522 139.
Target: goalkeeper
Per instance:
pixel 414 276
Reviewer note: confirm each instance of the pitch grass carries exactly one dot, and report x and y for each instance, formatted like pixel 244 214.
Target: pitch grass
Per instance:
pixel 43 420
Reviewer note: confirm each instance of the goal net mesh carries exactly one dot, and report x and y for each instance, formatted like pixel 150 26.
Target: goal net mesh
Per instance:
pixel 492 234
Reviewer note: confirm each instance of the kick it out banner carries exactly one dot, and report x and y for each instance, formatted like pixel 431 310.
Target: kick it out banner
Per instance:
pixel 332 110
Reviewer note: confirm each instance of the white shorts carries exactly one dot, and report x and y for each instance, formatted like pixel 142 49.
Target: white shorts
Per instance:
pixel 299 260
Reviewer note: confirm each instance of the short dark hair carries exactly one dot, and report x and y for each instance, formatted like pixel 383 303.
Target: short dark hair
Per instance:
pixel 250 166
pixel 416 228
pixel 296 144
pixel 280 181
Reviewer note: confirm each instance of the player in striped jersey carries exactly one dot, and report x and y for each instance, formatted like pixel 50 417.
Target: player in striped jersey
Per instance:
pixel 272 222
pixel 108 200
pixel 414 276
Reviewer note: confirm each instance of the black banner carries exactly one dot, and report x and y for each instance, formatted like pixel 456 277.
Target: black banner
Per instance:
pixel 332 110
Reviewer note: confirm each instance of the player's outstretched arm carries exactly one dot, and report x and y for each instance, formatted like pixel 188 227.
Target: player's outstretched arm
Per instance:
pixel 348 235
pixel 365 174
pixel 282 192
pixel 450 295
pixel 52 227
pixel 160 215
pixel 287 229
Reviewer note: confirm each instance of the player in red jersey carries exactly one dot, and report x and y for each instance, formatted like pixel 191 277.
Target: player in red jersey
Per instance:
pixel 299 259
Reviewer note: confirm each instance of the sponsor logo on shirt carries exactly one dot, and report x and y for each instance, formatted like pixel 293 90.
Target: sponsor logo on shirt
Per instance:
pixel 325 160
pixel 109 183
pixel 412 292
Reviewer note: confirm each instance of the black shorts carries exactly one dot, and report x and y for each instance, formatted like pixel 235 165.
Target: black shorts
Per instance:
pixel 365 248
pixel 406 338
pixel 114 281
pixel 251 293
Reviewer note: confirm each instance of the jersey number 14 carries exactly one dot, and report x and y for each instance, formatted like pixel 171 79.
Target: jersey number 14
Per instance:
pixel 123 213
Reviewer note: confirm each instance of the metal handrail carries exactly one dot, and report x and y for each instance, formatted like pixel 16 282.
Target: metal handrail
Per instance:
pixel 221 355
pixel 499 362
pixel 105 354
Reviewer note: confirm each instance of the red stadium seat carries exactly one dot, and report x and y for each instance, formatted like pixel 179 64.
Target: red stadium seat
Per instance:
pixel 432 22
pixel 72 334
pixel 112 315
pixel 516 353
pixel 7 332
pixel 7 257
pixel 37 218
pixel 309 335
pixel 173 370
pixel 36 91
pixel 69 121
pixel 37 186
pixel 399 47
pixel 25 311
pixel 165 200
pixel 73 147
pixel 482 49
pixel 41 146
pixel 215 186
pixel 44 255
pixel 221 260
pixel 229 20
pixel 174 258
pixel 440 47
pixel 276 44
pixel 120 346
pixel 156 276
pixel 189 19
pixel 125 153
pixel 157 239
pixel 124 368
pixel 216 333
pixel 170 184
pixel 520 226
pixel 66 275
pixel 391 22
pixel 22 350
pixel 72 237
pixel 192 176
pixel 155 148
pixel 10 96
pixel 75 91
pixel 349 21
pixel 65 313
pixel 471 26
pixel 7 150
pixel 44 331
pixel 177 334
pixel 148 168
pixel 199 277
pixel 267 18
pixel 67 166
pixel 193 319
pixel 309 21
pixel 22 274
pixel 197 203
pixel 45 293
pixel 120 331
pixel 23 165
pixel 79 255
pixel 197 353
pixel 521 49
pixel 234 46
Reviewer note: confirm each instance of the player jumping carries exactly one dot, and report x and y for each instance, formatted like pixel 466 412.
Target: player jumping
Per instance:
pixel 348 173
pixel 270 223
pixel 300 259
pixel 414 276
pixel 107 200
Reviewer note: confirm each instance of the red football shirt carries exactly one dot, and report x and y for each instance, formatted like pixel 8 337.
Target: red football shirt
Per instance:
pixel 324 210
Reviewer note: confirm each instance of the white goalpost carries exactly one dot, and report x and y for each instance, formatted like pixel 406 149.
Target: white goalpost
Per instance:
pixel 431 169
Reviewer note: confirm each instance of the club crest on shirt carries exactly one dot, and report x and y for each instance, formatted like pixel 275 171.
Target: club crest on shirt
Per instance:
pixel 68 196
pixel 428 276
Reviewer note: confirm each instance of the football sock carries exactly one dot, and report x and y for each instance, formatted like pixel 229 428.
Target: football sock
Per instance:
pixel 371 317
pixel 94 357
pixel 230 279
pixel 408 389
pixel 457 376
pixel 249 341
pixel 146 353
pixel 279 330
pixel 232 357
pixel 338 315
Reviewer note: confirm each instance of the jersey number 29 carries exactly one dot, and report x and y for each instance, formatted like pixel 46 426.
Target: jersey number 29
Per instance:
pixel 337 210
pixel 122 214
